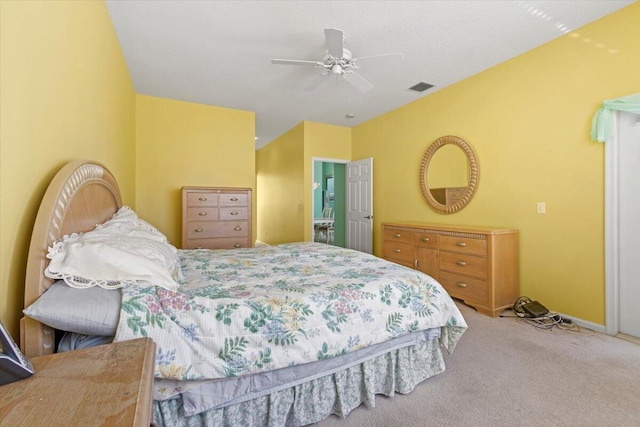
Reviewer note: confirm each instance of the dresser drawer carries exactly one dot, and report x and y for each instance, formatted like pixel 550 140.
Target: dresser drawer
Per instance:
pixel 465 245
pixel 398 235
pixel 202 214
pixel 233 213
pixel 202 199
pixel 464 264
pixel 233 229
pixel 205 230
pixel 221 243
pixel 425 240
pixel 399 251
pixel 201 229
pixel 227 199
pixel 464 287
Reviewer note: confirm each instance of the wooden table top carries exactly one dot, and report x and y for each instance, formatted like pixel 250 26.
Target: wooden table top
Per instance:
pixel 107 385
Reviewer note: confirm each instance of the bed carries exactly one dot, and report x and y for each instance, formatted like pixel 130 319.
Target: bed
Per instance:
pixel 277 335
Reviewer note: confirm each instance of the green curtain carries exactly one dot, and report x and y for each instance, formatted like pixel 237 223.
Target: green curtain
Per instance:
pixel 602 126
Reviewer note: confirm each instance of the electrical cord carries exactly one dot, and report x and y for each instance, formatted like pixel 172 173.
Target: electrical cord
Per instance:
pixel 518 306
pixel 544 322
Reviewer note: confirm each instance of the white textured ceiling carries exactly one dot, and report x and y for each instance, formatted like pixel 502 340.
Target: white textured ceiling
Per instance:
pixel 219 52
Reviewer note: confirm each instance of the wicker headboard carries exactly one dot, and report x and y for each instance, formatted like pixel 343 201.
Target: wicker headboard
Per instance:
pixel 80 196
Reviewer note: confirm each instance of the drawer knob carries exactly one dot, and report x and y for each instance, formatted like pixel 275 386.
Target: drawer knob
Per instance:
pixel 202 213
pixel 461 284
pixel 461 263
pixel 233 213
pixel 237 228
pixel 396 251
pixel 202 199
pixel 198 230
pixel 237 245
pixel 234 199
pixel 461 244
pixel 396 235
pixel 425 239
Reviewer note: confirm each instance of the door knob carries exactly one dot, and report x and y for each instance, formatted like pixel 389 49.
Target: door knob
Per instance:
pixel 368 217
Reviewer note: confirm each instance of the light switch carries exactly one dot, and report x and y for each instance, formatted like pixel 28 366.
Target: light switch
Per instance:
pixel 541 207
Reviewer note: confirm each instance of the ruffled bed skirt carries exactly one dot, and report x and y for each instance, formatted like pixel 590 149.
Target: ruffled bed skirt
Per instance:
pixel 398 371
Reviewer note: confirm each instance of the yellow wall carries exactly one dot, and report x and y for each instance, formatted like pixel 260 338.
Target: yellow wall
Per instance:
pixel 66 94
pixel 284 179
pixel 528 120
pixel 184 144
pixel 279 181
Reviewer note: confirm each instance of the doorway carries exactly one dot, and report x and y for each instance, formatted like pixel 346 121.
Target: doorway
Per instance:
pixel 351 201
pixel 329 196
pixel 622 230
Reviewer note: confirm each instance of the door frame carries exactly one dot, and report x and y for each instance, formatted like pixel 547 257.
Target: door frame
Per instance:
pixel 313 173
pixel 611 231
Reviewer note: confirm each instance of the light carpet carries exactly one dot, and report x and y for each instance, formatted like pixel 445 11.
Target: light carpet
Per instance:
pixel 505 373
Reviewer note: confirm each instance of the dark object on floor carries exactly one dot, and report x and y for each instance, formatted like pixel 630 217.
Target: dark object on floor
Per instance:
pixel 535 309
pixel 525 307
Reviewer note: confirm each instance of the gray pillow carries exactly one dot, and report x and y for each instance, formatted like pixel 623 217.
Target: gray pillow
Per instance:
pixel 90 311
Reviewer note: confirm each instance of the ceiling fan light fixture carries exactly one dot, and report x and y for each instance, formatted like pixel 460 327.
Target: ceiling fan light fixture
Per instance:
pixel 421 87
pixel 337 61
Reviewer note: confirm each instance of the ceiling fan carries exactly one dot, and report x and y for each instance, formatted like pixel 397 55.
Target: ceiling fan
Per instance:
pixel 337 61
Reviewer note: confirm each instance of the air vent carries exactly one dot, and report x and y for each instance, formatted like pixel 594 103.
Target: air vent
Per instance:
pixel 421 87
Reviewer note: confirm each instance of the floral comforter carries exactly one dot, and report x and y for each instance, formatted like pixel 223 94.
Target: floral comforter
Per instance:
pixel 243 311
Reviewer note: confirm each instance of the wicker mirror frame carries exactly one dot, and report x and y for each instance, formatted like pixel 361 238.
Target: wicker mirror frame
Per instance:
pixel 474 173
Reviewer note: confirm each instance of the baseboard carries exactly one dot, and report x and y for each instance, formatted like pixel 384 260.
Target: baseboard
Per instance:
pixel 585 324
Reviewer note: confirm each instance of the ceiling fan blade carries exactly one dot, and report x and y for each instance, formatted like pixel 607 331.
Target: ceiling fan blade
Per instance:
pixel 335 42
pixel 384 55
pixel 358 81
pixel 315 83
pixel 294 62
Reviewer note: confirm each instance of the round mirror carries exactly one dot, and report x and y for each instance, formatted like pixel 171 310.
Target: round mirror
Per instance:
pixel 448 174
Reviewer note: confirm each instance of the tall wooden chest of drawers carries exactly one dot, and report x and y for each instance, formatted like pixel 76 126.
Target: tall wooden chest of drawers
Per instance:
pixel 479 265
pixel 216 218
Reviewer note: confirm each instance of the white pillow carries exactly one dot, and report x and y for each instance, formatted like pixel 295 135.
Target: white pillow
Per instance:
pixel 123 251
pixel 92 311
pixel 126 222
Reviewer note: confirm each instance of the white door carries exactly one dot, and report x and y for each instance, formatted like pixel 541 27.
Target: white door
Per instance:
pixel 629 215
pixel 359 227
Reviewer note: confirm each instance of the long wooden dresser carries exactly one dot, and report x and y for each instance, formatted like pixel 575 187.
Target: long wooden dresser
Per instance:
pixel 479 265
pixel 216 218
